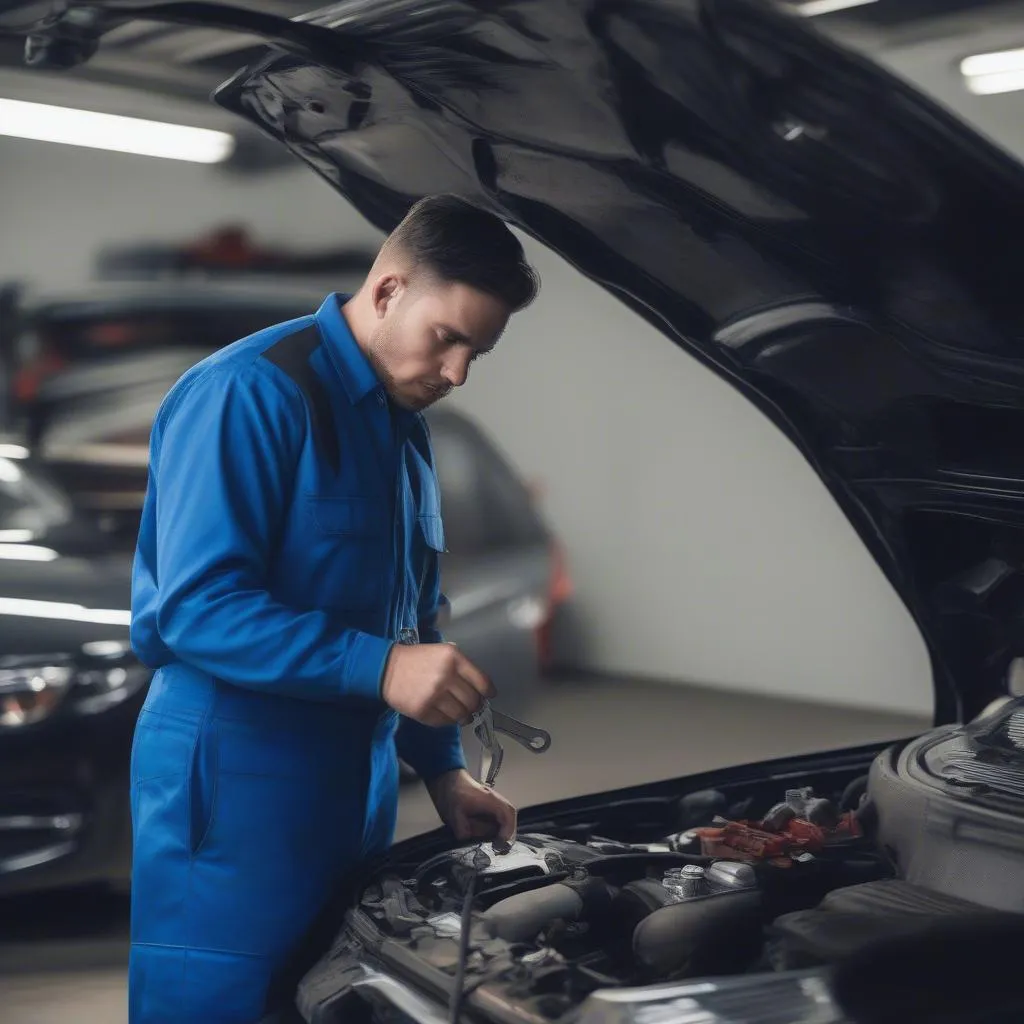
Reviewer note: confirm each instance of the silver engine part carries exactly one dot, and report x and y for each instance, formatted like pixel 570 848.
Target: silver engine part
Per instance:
pixel 950 808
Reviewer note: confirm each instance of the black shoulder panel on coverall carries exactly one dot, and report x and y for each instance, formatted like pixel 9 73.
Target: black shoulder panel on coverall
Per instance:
pixel 291 355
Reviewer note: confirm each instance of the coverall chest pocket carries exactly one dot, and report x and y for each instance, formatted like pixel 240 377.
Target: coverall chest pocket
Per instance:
pixel 428 503
pixel 351 539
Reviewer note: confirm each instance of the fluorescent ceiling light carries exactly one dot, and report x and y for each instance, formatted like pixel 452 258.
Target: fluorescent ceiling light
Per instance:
pixel 67 612
pixel 27 553
pixel 16 536
pixel 993 63
pixel 813 8
pixel 992 85
pixel 990 73
pixel 13 451
pixel 113 132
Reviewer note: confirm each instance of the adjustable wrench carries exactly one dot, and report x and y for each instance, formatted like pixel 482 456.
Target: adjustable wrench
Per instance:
pixel 487 723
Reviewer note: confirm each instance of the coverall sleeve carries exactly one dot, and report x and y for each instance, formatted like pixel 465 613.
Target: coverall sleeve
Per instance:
pixel 227 455
pixel 430 751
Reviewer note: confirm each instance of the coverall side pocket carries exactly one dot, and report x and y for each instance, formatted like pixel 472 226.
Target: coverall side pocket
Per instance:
pixel 202 788
pixel 432 528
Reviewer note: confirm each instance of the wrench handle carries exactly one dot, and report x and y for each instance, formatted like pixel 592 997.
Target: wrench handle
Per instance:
pixel 535 740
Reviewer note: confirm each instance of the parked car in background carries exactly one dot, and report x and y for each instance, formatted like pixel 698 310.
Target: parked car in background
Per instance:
pixel 59 347
pixel 505 573
pixel 70 690
pixel 70 498
pixel 88 370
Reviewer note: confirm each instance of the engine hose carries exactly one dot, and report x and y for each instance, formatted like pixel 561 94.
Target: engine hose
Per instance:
pixel 608 863
pixel 459 989
pixel 521 917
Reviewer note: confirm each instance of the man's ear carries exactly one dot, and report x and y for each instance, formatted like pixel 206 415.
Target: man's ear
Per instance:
pixel 387 290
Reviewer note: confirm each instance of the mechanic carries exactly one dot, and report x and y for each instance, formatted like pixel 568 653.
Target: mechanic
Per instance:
pixel 287 565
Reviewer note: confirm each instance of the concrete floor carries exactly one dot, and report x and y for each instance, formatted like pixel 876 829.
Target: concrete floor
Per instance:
pixel 62 956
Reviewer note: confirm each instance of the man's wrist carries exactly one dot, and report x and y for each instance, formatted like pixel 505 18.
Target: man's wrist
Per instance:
pixel 441 784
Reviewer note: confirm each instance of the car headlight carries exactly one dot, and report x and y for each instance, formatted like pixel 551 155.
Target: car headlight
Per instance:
pixel 30 693
pixel 33 690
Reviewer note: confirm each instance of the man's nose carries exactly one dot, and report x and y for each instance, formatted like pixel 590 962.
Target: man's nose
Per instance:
pixel 456 371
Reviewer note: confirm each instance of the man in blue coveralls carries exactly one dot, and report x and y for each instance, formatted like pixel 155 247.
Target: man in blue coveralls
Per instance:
pixel 286 592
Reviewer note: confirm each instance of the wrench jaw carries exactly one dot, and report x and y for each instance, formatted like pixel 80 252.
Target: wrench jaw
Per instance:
pixel 491 753
pixel 497 756
pixel 487 723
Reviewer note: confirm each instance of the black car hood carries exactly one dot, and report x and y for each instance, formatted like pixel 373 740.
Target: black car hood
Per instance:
pixel 825 238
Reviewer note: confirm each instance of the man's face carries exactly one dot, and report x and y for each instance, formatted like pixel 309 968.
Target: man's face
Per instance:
pixel 428 334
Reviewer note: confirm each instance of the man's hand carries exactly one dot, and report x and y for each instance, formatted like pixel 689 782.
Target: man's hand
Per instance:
pixel 434 683
pixel 470 809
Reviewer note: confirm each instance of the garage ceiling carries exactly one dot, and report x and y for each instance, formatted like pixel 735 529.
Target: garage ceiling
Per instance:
pixel 170 71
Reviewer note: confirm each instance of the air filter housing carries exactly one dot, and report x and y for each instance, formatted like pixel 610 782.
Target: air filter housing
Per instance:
pixel 950 808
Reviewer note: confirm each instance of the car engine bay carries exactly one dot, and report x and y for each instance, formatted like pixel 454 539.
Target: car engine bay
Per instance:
pixel 922 848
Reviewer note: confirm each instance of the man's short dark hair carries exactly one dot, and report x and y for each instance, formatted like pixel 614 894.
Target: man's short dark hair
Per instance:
pixel 461 243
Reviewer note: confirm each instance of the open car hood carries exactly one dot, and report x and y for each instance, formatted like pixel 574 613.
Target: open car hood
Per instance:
pixel 825 238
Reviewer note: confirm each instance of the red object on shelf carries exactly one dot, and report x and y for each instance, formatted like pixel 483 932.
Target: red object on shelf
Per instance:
pixel 228 247
pixel 559 591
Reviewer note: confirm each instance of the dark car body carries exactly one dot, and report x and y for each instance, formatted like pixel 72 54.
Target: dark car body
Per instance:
pixel 841 250
pixel 70 691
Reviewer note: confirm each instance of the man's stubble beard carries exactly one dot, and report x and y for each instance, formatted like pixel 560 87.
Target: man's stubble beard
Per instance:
pixel 376 350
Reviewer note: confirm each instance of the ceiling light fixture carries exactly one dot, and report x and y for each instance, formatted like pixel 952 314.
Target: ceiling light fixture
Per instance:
pixel 814 8
pixel 16 536
pixel 89 128
pixel 66 612
pixel 988 74
pixel 993 63
pixel 992 85
pixel 27 553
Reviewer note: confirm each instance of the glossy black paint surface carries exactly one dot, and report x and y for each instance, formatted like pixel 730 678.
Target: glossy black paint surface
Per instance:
pixel 829 241
pixel 74 762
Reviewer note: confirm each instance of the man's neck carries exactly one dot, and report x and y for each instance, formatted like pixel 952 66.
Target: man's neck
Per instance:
pixel 355 317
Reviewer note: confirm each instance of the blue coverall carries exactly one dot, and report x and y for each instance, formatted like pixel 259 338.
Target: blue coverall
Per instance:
pixel 289 537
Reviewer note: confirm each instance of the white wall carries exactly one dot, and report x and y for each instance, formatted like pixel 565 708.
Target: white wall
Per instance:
pixel 722 561
pixel 57 203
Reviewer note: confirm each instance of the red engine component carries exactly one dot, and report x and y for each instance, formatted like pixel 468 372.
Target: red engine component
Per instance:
pixel 752 841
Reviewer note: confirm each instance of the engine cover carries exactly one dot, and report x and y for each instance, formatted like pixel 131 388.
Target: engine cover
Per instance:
pixel 950 808
pixel 530 856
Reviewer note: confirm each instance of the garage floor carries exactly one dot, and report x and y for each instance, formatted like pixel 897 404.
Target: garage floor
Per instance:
pixel 62 956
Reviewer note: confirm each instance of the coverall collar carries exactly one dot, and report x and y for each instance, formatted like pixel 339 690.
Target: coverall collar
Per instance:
pixel 357 375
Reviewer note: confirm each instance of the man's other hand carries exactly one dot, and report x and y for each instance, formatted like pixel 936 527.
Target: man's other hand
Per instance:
pixel 470 809
pixel 434 684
